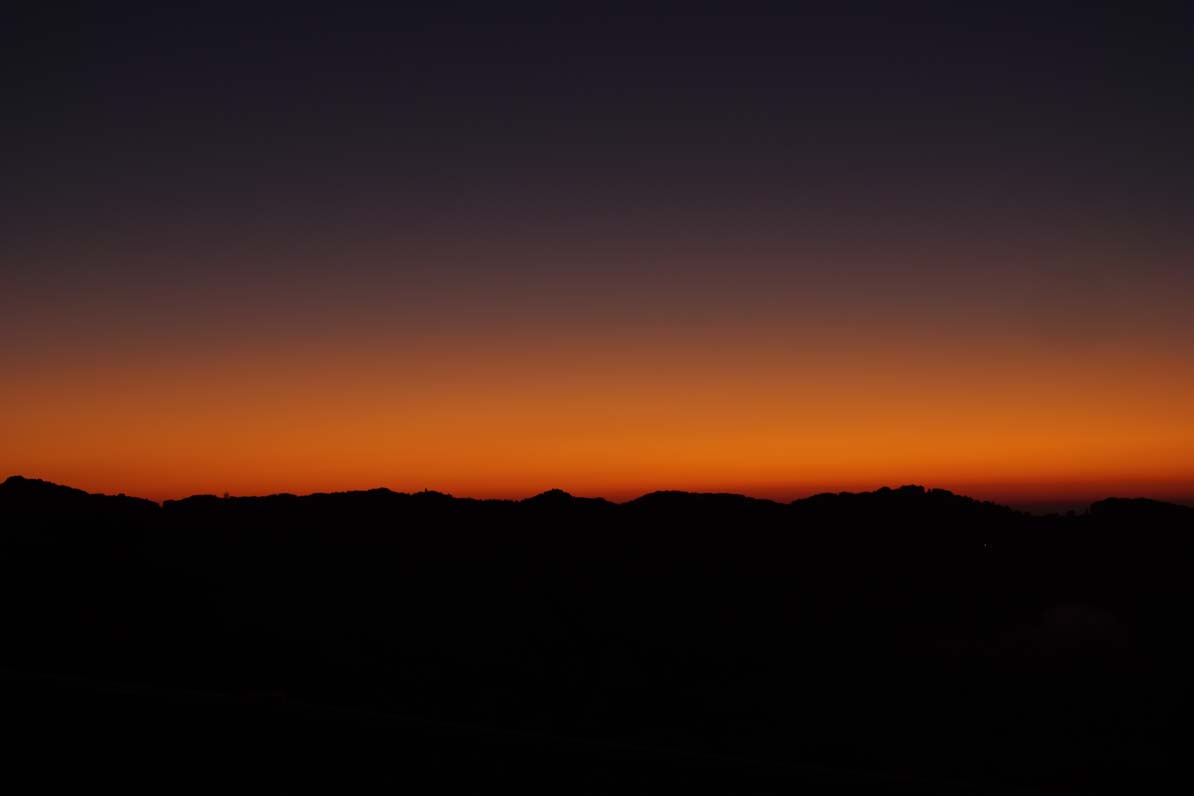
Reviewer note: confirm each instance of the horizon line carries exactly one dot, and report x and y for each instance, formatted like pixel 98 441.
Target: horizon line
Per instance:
pixel 1057 505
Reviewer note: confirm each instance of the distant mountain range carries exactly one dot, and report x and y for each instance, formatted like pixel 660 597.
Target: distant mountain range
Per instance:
pixel 22 491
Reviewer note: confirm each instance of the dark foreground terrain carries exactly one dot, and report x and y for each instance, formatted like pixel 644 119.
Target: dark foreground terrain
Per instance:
pixel 900 641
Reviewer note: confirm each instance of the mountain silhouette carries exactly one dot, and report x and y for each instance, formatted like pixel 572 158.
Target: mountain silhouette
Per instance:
pixel 896 641
pixel 29 495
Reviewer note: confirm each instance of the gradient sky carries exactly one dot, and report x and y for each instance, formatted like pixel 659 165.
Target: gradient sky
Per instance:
pixel 488 251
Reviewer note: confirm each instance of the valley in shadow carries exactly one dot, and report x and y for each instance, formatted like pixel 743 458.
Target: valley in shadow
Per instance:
pixel 898 641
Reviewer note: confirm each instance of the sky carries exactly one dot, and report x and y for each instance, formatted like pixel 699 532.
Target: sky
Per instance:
pixel 773 249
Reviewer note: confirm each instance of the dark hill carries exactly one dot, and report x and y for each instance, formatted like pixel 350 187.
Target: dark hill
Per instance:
pixel 32 495
pixel 36 512
pixel 1141 508
pixel 896 641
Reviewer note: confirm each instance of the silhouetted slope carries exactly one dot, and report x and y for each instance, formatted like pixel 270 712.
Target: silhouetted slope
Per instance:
pixel 1138 509
pixel 39 512
pixel 30 496
pixel 904 633
pixel 559 499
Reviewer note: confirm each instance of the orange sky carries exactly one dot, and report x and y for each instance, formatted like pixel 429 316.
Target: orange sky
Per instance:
pixel 759 402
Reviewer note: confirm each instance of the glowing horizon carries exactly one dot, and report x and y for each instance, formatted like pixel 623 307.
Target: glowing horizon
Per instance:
pixel 763 257
pixel 764 387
